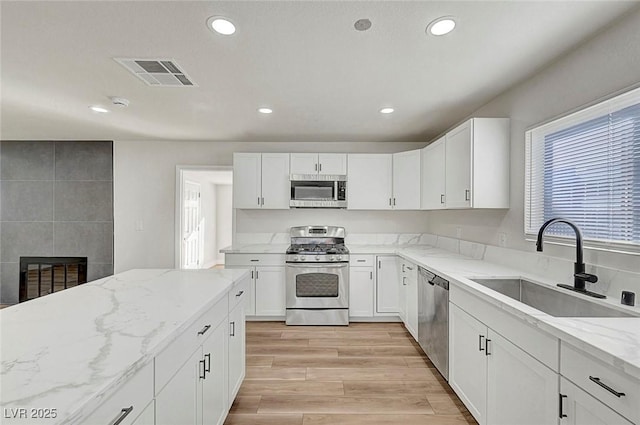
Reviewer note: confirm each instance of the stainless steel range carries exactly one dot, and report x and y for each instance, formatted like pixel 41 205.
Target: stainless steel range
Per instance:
pixel 317 276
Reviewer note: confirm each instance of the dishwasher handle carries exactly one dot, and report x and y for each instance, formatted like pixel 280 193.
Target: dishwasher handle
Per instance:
pixel 433 279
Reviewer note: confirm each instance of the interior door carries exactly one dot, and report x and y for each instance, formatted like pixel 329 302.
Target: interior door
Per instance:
pixel 191 225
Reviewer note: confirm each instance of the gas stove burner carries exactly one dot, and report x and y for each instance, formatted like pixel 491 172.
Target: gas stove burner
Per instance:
pixel 315 244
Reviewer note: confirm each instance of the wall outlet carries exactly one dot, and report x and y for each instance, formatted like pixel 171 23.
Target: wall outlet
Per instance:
pixel 459 232
pixel 502 239
pixel 139 225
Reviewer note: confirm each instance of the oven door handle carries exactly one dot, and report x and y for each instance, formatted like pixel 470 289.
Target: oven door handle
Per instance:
pixel 317 265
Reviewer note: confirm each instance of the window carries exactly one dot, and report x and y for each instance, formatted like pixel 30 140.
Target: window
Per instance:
pixel 586 167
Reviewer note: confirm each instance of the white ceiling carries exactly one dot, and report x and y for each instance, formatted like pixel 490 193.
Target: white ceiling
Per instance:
pixel 325 80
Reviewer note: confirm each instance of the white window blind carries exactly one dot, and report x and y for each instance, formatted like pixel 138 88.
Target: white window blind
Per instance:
pixel 586 167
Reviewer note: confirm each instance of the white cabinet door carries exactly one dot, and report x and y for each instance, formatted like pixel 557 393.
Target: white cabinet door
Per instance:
pixel 433 175
pixel 147 417
pixel 215 394
pixel 369 181
pixel 247 180
pixel 467 361
pixel 520 389
pixel 304 163
pixel 402 291
pixel 458 166
pixel 276 187
pixel 387 299
pixel 411 306
pixel 332 163
pixel 406 180
pixel 178 403
pixel 361 291
pixel 580 408
pixel 270 291
pixel 236 350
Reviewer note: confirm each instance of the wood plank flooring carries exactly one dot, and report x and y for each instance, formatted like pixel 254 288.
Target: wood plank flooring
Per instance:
pixel 366 373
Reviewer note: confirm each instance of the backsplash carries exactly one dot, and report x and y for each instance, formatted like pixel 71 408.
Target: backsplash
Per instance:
pixel 611 282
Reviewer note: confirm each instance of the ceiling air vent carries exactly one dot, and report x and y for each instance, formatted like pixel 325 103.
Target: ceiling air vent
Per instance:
pixel 157 72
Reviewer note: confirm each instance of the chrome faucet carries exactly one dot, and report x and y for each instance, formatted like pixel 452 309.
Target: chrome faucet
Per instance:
pixel 579 275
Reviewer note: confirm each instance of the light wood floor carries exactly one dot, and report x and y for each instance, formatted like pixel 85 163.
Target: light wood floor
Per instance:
pixel 367 373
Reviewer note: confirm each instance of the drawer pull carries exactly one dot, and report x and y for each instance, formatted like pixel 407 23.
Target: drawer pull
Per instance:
pixel 560 410
pixel 486 347
pixel 207 358
pixel 204 330
pixel 233 329
pixel 409 268
pixel 203 369
pixel 361 261
pixel 123 414
pixel 480 347
pixel 254 261
pixel 239 293
pixel 606 387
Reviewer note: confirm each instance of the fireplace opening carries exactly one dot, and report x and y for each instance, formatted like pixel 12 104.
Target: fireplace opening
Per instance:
pixel 45 275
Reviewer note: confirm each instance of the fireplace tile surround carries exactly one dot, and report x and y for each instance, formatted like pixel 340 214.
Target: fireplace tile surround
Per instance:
pixel 56 200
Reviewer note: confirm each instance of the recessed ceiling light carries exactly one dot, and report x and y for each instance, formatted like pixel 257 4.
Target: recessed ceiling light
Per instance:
pixel 441 26
pixel 386 110
pixel 221 25
pixel 265 110
pixel 99 109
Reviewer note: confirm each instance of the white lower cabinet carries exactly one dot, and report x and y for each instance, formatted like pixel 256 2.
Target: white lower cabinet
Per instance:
pixel 577 407
pixel 497 381
pixel 178 400
pixel 409 296
pixel 387 292
pixel 270 291
pixel 236 351
pixel 361 291
pixel 215 397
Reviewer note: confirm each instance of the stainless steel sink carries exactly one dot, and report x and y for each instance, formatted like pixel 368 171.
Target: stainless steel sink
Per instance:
pixel 549 300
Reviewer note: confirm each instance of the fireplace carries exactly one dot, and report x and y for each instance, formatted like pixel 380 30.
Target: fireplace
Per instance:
pixel 45 275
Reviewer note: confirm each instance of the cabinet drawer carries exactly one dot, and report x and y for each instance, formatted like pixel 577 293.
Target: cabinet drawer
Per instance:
pixel 173 356
pixel 132 396
pixel 361 260
pixel 593 375
pixel 239 293
pixel 254 259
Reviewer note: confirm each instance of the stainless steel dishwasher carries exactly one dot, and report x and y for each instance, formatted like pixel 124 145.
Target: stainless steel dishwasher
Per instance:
pixel 433 319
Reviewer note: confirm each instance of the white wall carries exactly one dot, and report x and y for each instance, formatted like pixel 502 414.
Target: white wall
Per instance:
pixel 224 218
pixel 607 63
pixel 144 190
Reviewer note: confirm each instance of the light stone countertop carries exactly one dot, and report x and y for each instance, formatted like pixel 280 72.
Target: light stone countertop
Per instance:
pixel 71 349
pixel 615 341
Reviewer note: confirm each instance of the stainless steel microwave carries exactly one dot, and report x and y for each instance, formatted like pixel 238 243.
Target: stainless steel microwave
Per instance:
pixel 318 191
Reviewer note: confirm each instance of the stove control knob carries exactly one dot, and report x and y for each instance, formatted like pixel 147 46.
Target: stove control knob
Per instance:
pixel 317 258
pixel 339 257
pixel 332 258
pixel 296 258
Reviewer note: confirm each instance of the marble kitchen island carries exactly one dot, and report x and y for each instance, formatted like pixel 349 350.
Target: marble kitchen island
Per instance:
pixel 67 354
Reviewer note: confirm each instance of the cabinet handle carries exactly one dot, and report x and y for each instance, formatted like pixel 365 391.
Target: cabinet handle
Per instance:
pixel 207 358
pixel 409 268
pixel 203 370
pixel 360 261
pixel 402 267
pixel 204 330
pixel 389 201
pixel 258 201
pixel 442 199
pixel 467 195
pixel 486 347
pixel 394 202
pixel 480 342
pixel 233 328
pixel 254 260
pixel 239 293
pixel 316 166
pixel 606 387
pixel 262 201
pixel 379 264
pixel 560 410
pixel 370 275
pixel 257 274
pixel 320 167
pixel 251 274
pixel 404 280
pixel 123 414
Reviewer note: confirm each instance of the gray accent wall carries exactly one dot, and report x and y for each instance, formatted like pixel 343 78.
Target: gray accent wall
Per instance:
pixel 56 200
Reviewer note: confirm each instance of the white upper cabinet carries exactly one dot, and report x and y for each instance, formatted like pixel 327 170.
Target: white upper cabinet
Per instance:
pixel 247 180
pixel 477 164
pixel 276 188
pixel 406 180
pixel 433 175
pixel 322 164
pixel 369 181
pixel 261 180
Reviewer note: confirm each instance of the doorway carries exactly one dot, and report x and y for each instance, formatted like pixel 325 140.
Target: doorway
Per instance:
pixel 204 215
